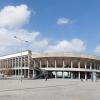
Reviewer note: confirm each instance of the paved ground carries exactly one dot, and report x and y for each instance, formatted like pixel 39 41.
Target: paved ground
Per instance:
pixel 59 89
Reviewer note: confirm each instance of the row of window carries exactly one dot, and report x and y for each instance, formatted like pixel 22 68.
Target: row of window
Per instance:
pixel 14 62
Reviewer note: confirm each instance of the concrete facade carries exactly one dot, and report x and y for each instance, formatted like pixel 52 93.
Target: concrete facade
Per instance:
pixel 56 65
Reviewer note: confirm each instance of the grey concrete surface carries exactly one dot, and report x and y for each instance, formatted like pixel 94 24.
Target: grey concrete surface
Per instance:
pixel 53 89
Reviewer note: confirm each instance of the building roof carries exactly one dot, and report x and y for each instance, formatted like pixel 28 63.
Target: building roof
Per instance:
pixel 65 54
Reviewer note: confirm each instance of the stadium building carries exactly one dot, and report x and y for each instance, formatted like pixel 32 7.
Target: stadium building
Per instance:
pixel 53 64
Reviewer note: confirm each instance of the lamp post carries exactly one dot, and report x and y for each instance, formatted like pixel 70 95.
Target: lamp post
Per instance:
pixel 21 41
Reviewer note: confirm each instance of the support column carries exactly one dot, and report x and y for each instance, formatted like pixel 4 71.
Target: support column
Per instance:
pixel 79 65
pixel 85 65
pixel 71 64
pixel 47 63
pixel 71 75
pixel 85 76
pixel 90 66
pixel 55 63
pixel 40 64
pixel 63 64
pixel 79 75
pixel 33 73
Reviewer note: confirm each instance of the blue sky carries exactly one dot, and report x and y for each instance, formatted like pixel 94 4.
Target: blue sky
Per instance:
pixel 58 25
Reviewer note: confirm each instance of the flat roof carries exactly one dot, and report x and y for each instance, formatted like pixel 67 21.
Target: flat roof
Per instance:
pixel 65 54
pixel 15 55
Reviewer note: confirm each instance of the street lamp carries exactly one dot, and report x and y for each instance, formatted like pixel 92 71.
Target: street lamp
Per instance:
pixel 21 41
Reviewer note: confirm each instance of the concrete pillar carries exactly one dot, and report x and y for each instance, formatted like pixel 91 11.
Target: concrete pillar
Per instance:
pixel 79 75
pixel 90 66
pixel 79 65
pixel 71 75
pixel 40 64
pixel 63 64
pixel 85 65
pixel 85 75
pixel 47 63
pixel 33 73
pixel 55 63
pixel 71 64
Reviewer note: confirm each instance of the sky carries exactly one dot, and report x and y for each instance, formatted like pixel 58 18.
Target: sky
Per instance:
pixel 50 26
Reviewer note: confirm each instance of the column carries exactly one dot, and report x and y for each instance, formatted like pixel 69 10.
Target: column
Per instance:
pixel 71 75
pixel 79 75
pixel 55 63
pixel 63 64
pixel 55 74
pixel 79 65
pixel 85 71
pixel 85 75
pixel 85 65
pixel 40 64
pixel 90 66
pixel 47 63
pixel 33 73
pixel 71 64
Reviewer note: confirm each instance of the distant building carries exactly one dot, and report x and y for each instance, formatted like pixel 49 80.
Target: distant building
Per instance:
pixel 55 64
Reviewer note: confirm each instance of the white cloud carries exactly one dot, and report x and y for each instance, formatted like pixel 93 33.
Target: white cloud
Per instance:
pixel 14 16
pixel 75 45
pixel 63 20
pixel 8 43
